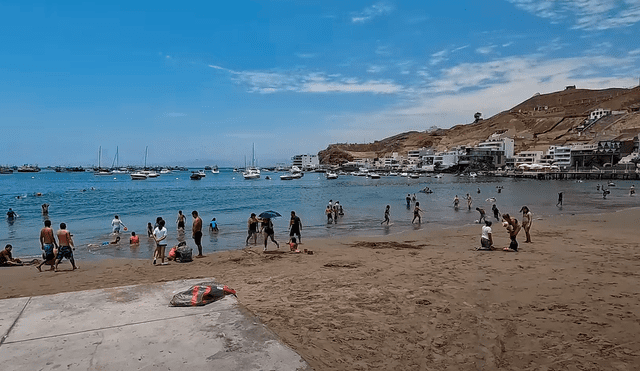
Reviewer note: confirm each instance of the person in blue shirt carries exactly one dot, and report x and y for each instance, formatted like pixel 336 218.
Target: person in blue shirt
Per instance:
pixel 213 226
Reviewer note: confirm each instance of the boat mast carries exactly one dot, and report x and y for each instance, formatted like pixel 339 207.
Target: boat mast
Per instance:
pixel 99 158
pixel 146 152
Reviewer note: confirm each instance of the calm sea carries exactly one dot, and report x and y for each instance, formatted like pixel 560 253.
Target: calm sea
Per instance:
pixel 87 204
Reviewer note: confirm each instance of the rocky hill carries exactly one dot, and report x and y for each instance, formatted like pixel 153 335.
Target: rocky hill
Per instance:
pixel 540 121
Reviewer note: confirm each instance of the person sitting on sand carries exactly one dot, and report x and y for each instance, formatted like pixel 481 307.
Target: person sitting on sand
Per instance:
pixel 6 259
pixel 173 253
pixel 486 240
pixel 512 228
pixel 293 245
pixel 134 240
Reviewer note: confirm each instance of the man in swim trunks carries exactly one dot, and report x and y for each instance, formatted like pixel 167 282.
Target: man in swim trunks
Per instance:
pixel 483 215
pixel 181 219
pixel 196 230
pixel 45 209
pixel 295 226
pixel 48 245
pixel 66 246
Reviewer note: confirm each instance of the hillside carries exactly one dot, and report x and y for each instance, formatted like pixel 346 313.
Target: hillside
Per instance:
pixel 540 121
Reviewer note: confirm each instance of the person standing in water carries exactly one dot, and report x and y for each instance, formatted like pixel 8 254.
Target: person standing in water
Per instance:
pixel 196 230
pixel 116 223
pixel 386 215
pixel 469 201
pixel 496 212
pixel 416 213
pixel 181 220
pixel 45 209
pixel 456 203
pixel 559 203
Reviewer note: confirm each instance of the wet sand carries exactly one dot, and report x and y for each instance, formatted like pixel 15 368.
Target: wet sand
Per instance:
pixel 423 299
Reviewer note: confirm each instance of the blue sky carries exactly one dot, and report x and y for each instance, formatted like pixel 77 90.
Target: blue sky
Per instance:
pixel 202 81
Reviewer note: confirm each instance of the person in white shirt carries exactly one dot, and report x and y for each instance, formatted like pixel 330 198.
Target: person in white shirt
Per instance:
pixel 486 241
pixel 160 236
pixel 116 223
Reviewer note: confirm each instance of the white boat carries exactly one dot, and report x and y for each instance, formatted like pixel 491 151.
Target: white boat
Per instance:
pixel 330 175
pixel 374 176
pixel 393 173
pixel 196 175
pixel 251 173
pixel 165 171
pixel 438 176
pixel 138 176
pixel 202 173
pixel 215 170
pixel 473 175
pixel 611 184
pixel 414 176
pixel 404 174
pixel 152 174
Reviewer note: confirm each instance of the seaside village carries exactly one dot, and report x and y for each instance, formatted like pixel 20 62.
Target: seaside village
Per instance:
pixel 590 157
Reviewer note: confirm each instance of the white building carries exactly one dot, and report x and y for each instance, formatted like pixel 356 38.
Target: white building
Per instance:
pixel 306 162
pixel 416 154
pixel 560 155
pixel 529 157
pixel 598 113
pixel 499 143
pixel 443 159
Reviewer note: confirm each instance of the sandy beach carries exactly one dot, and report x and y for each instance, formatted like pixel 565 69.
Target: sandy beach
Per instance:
pixel 423 300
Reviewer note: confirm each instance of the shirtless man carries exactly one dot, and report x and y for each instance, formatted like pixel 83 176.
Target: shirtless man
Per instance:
pixel 48 245
pixel 196 230
pixel 456 203
pixel 66 247
pixel 181 219
pixel 45 209
pixel 469 201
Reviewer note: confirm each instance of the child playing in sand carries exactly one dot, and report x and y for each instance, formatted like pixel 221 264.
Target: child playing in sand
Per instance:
pixel 293 245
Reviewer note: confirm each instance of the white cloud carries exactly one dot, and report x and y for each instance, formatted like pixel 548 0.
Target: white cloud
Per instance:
pixel 485 49
pixel 274 82
pixel 376 69
pixel 586 14
pixel 371 12
pixel 634 52
pixel 439 57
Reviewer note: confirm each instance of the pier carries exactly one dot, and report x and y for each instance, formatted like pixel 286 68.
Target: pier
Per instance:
pixel 591 174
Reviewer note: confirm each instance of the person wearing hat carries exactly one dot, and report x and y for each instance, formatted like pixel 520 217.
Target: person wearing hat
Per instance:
pixel 527 220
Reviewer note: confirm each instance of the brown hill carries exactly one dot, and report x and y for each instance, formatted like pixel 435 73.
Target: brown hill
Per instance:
pixel 535 124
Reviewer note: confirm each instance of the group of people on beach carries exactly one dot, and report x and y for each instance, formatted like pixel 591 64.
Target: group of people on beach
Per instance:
pixel 513 228
pixel 54 251
pixel 333 211
pixel 264 225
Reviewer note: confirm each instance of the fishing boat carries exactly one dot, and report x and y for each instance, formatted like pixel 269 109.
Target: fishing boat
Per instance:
pixel 28 169
pixel 196 175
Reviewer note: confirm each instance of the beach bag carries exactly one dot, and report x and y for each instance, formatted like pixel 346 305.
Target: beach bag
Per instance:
pixel 184 254
pixel 201 294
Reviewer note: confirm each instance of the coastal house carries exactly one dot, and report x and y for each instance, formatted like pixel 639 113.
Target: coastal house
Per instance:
pixel 528 157
pixel 560 155
pixel 306 162
pixel 441 160
pixel 499 142
pixel 599 113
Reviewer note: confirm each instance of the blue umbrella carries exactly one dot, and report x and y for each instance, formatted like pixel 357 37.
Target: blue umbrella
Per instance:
pixel 269 214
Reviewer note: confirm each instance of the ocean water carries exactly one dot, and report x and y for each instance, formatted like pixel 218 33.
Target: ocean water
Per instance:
pixel 87 204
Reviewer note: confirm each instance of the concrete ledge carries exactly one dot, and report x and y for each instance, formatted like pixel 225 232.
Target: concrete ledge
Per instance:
pixel 134 328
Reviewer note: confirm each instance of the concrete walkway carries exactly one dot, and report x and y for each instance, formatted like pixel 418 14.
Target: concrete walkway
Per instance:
pixel 134 328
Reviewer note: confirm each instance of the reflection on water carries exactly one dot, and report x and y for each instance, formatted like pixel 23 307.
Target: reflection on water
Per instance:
pixel 87 204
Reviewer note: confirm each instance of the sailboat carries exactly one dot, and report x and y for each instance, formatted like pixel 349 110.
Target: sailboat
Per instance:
pixel 114 165
pixel 142 174
pixel 252 172
pixel 100 170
